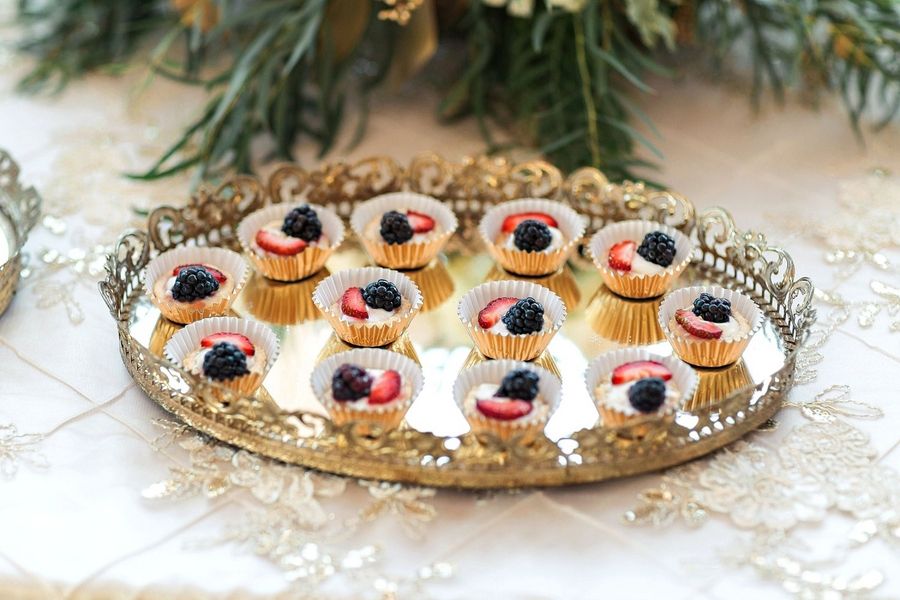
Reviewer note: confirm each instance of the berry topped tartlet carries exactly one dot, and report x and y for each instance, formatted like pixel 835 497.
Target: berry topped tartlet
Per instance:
pixel 709 326
pixel 507 398
pixel 631 386
pixel 639 259
pixel 531 236
pixel 511 319
pixel 367 384
pixel 236 353
pixel 289 243
pixel 403 230
pixel 369 306
pixel 190 283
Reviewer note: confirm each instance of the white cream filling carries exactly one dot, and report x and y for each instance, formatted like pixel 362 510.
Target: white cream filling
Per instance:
pixel 373 231
pixel 615 397
pixel 274 228
pixel 363 403
pixel 193 362
pixel 557 240
pixel 376 315
pixel 486 391
pixel 639 265
pixel 734 328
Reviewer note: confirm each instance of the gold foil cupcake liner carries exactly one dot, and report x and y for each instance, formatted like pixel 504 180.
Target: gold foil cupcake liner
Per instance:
pixel 562 283
pixel 435 283
pixel 506 345
pixel 386 416
pixel 335 345
pixel 716 385
pixel 545 361
pixel 188 340
pixel 366 334
pixel 571 224
pixel 230 263
pixel 283 303
pixel 634 285
pixel 549 389
pixel 624 321
pixel 703 352
pixel 413 254
pixel 299 266
pixel 162 333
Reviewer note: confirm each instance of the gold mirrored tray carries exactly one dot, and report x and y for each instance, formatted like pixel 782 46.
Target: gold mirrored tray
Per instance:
pixel 433 446
pixel 19 210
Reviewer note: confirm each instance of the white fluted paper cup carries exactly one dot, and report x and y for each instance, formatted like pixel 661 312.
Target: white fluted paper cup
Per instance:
pixel 600 370
pixel 261 336
pixel 638 285
pixel 368 334
pixel 301 265
pixel 414 253
pixel 493 371
pixel 571 225
pixel 385 415
pixel 708 352
pixel 523 346
pixel 231 264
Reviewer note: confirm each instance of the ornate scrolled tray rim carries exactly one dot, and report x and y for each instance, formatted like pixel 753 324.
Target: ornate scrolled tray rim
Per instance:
pixel 20 207
pixel 742 259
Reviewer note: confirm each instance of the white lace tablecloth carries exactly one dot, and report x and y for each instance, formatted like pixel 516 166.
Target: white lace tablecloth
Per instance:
pixel 97 500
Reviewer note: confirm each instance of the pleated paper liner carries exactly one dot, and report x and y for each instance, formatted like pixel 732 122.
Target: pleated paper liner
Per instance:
pixel 493 371
pixel 283 303
pixel 571 224
pixel 296 267
pixel 506 345
pixel 386 416
pixel 545 361
pixel 161 334
pixel 701 352
pixel 717 384
pixel 374 334
pixel 435 283
pixel 229 263
pixel 634 322
pixel 188 340
pixel 410 255
pixel 562 283
pixel 633 285
pixel 402 345
pixel 683 377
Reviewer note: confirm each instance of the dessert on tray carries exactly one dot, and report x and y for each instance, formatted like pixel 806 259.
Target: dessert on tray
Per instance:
pixel 640 259
pixel 289 243
pixel 191 283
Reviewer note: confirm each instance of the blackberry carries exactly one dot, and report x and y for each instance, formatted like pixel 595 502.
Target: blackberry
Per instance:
pixel 647 395
pixel 395 227
pixel 303 223
pixel 382 294
pixel 532 236
pixel 225 361
pixel 521 384
pixel 350 382
pixel 525 316
pixel 194 283
pixel 657 248
pixel 712 309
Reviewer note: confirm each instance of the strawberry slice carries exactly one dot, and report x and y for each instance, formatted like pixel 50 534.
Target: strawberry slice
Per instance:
pixel 281 245
pixel 512 221
pixel 219 275
pixel 697 326
pixel 420 222
pixel 353 305
pixel 241 341
pixel 385 388
pixel 621 255
pixel 504 410
pixel 640 369
pixel 494 311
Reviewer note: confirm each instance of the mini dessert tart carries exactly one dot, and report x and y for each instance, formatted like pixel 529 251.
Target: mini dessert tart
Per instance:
pixel 289 243
pixel 709 326
pixel 191 283
pixel 562 283
pixel 632 387
pixel 236 353
pixel 369 306
pixel 507 398
pixel 640 259
pixel 367 385
pixel 511 319
pixel 531 236
pixel 403 230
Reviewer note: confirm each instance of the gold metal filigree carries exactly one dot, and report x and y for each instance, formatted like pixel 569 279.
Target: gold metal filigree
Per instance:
pixel 20 206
